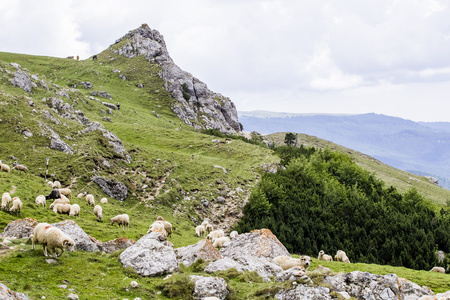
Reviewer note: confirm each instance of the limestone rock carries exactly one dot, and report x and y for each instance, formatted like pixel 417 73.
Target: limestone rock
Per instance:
pixel 150 257
pixel 203 249
pixel 7 294
pixel 22 80
pixel 87 85
pixel 19 229
pixel 116 190
pixel 82 241
pixel 209 287
pixel 109 105
pixel 101 94
pixel 305 292
pixel 59 145
pixel 114 245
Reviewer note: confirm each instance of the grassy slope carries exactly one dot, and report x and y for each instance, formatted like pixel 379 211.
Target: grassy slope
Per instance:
pixel 151 133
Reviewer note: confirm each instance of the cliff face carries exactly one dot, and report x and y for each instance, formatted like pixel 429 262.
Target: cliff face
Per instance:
pixel 195 104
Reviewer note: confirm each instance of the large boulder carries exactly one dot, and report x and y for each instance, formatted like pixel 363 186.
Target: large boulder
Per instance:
pixel 203 249
pixel 22 80
pixel 150 256
pixel 7 294
pixel 114 245
pixel 116 190
pixel 19 229
pixel 209 287
pixel 82 241
pixel 306 292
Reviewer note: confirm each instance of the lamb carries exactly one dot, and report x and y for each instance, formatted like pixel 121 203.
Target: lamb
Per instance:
pixel 6 200
pixel 82 195
pixel 341 256
pixel 62 208
pixel 200 230
pixel 16 206
pixel 74 210
pixel 4 167
pixel 56 184
pixel 40 200
pixel 123 220
pixel 287 262
pixel 233 234
pixel 213 235
pixel 98 212
pixel 59 201
pixel 104 200
pixel 325 257
pixel 55 194
pixel 219 242
pixel 90 199
pixel 66 192
pixel 51 238
pixel 19 167
pixel 438 269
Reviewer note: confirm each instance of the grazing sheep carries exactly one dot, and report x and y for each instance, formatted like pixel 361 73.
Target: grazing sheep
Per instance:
pixel 40 200
pixel 219 242
pixel 50 184
pixel 16 206
pixel 74 210
pixel 213 235
pixel 325 257
pixel 98 212
pixel 209 228
pixel 104 200
pixel 205 222
pixel 55 194
pixel 200 230
pixel 123 220
pixel 37 235
pixel 233 234
pixel 66 192
pixel 287 262
pixel 63 208
pixel 56 184
pixel 90 199
pixel 59 201
pixel 6 200
pixel 168 227
pixel 438 269
pixel 159 218
pixel 157 225
pixel 4 167
pixel 52 238
pixel 82 195
pixel 341 256
pixel 19 167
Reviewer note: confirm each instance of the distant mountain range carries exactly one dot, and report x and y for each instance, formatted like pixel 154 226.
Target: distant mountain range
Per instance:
pixel 422 148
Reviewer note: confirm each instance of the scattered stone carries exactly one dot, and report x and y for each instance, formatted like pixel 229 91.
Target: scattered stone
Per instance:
pixel 7 294
pixel 116 190
pixel 134 284
pixel 51 261
pixel 59 145
pixel 22 80
pixel 87 85
pixel 203 249
pixel 101 94
pixel 114 245
pixel 106 164
pixel 209 287
pixel 73 296
pixel 220 200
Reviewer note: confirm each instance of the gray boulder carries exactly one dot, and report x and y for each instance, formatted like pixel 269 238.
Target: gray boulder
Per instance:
pixel 19 229
pixel 305 292
pixel 87 85
pixel 7 294
pixel 82 241
pixel 203 249
pixel 116 190
pixel 22 80
pixel 101 94
pixel 150 256
pixel 114 245
pixel 59 145
pixel 209 287
pixel 109 105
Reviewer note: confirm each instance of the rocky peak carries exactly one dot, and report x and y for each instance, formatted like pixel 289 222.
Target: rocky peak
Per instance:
pixel 195 104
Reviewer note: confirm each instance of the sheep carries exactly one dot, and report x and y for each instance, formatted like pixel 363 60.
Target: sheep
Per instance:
pixel 59 201
pixel 19 167
pixel 4 167
pixel 123 220
pixel 104 200
pixel 287 262
pixel 6 200
pixel 219 242
pixel 159 218
pixel 74 210
pixel 50 184
pixel 40 200
pixel 55 194
pixel 200 230
pixel 56 184
pixel 90 199
pixel 209 228
pixel 157 225
pixel 62 208
pixel 82 195
pixel 98 212
pixel 341 256
pixel 438 269
pixel 16 206
pixel 213 235
pixel 37 235
pixel 325 257
pixel 233 234
pixel 205 222
pixel 52 238
pixel 66 192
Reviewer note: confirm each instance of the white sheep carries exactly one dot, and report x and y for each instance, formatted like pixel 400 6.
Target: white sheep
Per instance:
pixel 200 230
pixel 40 200
pixel 62 208
pixel 74 210
pixel 19 167
pixel 438 269
pixel 323 256
pixel 38 236
pixel 98 212
pixel 50 184
pixel 56 184
pixel 219 242
pixel 52 238
pixel 341 256
pixel 82 195
pixel 157 225
pixel 90 199
pixel 209 228
pixel 159 218
pixel 59 201
pixel 167 227
pixel 16 206
pixel 213 235
pixel 287 262
pixel 233 234
pixel 205 222
pixel 123 220
pixel 6 200
pixel 104 200
pixel 66 192
pixel 4 167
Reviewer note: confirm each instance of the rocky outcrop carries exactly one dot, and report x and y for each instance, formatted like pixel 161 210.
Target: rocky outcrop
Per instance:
pixel 7 294
pixel 82 241
pixel 195 104
pixel 203 249
pixel 114 245
pixel 209 287
pixel 116 190
pixel 19 229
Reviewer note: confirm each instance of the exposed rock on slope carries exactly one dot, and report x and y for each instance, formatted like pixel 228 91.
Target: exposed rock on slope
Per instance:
pixel 196 105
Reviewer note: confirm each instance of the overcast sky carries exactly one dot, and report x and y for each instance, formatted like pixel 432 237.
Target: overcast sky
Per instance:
pixel 298 56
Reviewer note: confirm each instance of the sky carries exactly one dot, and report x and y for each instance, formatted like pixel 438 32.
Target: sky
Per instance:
pixel 297 56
